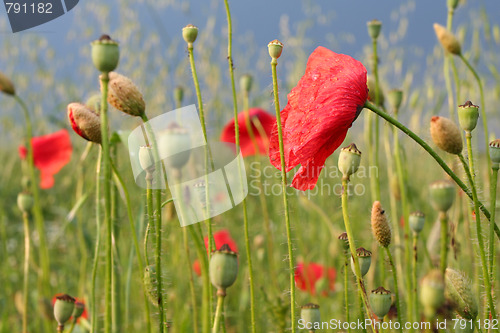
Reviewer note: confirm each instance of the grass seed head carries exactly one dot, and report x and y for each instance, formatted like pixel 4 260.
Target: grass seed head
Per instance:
pixel 380 226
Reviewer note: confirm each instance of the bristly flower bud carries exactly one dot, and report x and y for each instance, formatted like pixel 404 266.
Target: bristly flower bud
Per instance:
pixel 449 42
pixel 459 292
pixel 416 221
pixel 310 314
pixel 246 82
pixel 105 54
pixel 446 135
pixel 380 301
pixel 395 97
pixel 432 292
pixel 223 267
pixel 63 308
pixel 85 122
pixel 179 95
pixel 345 240
pixel 124 95
pixel 495 152
pixel 190 33
pixel 6 85
pixel 275 48
pixel 442 195
pixel 468 114
pixel 374 27
pixel 380 226
pixel 364 259
pixel 349 160
pixel 25 201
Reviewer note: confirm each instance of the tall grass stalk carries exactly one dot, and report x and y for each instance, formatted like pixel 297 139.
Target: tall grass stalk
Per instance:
pixel 97 249
pixel 26 269
pixel 493 206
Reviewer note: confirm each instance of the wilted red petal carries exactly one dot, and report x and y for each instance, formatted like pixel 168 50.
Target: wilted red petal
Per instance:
pixel 50 153
pixel 320 110
pixel 247 146
pixel 306 276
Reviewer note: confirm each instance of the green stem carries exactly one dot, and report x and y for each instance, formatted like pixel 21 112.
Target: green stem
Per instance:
pixel 434 155
pixel 443 219
pixel 26 270
pixel 346 291
pixel 218 311
pixel 484 263
pixel 97 243
pixel 352 247
pixel 376 123
pixel 72 327
pixel 159 278
pixel 396 288
pixel 291 262
pixel 37 208
pixel 414 273
pixel 446 69
pixel 237 141
pixel 192 290
pixel 493 200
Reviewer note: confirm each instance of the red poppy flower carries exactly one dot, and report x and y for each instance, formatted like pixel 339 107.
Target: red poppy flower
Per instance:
pixel 220 237
pixel 50 153
pixel 261 134
pixel 308 275
pixel 320 110
pixel 77 300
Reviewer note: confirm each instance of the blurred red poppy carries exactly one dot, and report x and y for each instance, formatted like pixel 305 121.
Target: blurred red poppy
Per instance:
pixel 77 300
pixel 261 125
pixel 50 153
pixel 320 110
pixel 220 237
pixel 312 277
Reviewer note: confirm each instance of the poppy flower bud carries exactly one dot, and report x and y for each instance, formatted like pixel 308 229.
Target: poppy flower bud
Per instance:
pixel 364 259
pixel 124 95
pixel 372 91
pixel 446 135
pixel 179 95
pixel 448 41
pixel 94 103
pixel 432 292
pixel 442 194
pixel 223 267
pixel 459 292
pixel 395 97
pixel 310 314
pixel 151 284
pixel 79 308
pixel 146 159
pixel 380 301
pixel 189 33
pixel 416 221
pixel 275 48
pixel 85 122
pixel 468 114
pixel 374 27
pixel 6 85
pixel 63 308
pixel 380 226
pixel 495 152
pixel 175 138
pixel 345 240
pixel 452 4
pixel 246 82
pixel 105 54
pixel 349 160
pixel 25 201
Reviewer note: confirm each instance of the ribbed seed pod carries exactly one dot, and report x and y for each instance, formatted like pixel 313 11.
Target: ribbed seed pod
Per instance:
pixel 380 226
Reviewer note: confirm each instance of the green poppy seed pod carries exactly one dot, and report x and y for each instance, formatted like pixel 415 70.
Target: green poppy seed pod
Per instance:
pixel 380 301
pixel 442 195
pixel 25 201
pixel 175 138
pixel 94 103
pixel 468 114
pixel 380 226
pixel 6 85
pixel 374 27
pixel 246 82
pixel 85 122
pixel 105 54
pixel 372 91
pixel 223 267
pixel 416 221
pixel 275 48
pixel 349 160
pixel 432 292
pixel 79 308
pixel 395 98
pixel 364 259
pixel 448 41
pixel 179 95
pixel 151 284
pixel 495 152
pixel 460 295
pixel 190 33
pixel 452 4
pixel 446 135
pixel 124 95
pixel 311 316
pixel 146 159
pixel 345 241
pixel 63 308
